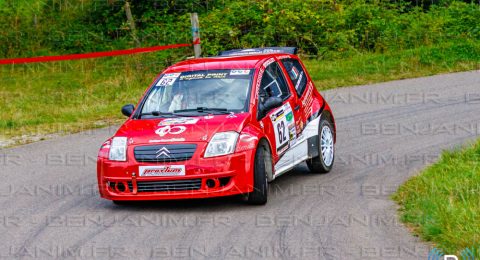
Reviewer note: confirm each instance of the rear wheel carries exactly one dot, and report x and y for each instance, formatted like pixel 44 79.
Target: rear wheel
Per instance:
pixel 260 182
pixel 323 163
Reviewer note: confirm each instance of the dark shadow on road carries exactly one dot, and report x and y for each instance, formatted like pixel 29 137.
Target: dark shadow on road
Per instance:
pixel 297 176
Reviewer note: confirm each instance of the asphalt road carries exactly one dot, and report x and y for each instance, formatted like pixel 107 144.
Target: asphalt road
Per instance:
pixel 386 133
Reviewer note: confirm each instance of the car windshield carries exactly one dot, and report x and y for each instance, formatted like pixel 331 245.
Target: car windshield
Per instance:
pixel 198 92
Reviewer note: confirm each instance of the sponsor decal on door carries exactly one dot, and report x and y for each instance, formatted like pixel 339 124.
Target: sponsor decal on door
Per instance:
pixel 283 123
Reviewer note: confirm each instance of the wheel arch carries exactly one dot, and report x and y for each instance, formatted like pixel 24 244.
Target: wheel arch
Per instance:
pixel 263 142
pixel 327 115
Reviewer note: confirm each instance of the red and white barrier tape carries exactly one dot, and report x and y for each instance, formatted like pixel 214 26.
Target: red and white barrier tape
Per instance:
pixel 91 54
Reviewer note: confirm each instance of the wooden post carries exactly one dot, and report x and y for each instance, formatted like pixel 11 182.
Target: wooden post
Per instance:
pixel 196 34
pixel 35 22
pixel 131 23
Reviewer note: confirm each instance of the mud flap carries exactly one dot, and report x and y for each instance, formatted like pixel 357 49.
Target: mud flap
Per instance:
pixel 313 149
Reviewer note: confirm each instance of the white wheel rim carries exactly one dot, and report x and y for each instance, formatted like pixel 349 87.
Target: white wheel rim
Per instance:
pixel 326 145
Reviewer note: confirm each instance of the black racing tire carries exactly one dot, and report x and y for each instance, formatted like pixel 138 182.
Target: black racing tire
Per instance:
pixel 323 163
pixel 260 182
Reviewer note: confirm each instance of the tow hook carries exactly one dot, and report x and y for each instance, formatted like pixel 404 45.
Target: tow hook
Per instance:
pixel 134 183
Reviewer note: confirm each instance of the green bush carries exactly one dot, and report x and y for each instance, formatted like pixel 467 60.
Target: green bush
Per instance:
pixel 326 29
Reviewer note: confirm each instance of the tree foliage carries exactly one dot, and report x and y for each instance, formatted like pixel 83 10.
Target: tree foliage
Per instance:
pixel 325 28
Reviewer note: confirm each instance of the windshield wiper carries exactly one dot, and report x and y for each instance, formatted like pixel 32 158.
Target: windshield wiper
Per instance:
pixel 158 113
pixel 204 110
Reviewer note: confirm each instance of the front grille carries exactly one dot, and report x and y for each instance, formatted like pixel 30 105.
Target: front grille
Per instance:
pixel 156 186
pixel 164 153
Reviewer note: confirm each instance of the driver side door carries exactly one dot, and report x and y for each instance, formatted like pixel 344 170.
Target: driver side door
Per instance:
pixel 279 122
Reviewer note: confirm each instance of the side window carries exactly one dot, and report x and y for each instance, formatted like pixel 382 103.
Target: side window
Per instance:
pixel 296 74
pixel 273 83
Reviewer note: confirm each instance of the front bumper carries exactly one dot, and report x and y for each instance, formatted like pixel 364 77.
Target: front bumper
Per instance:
pixel 204 178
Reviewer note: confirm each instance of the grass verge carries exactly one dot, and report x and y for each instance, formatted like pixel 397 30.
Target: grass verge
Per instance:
pixel 442 204
pixel 372 68
pixel 71 96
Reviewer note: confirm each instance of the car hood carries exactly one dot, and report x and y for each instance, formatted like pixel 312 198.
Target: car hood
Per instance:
pixel 180 129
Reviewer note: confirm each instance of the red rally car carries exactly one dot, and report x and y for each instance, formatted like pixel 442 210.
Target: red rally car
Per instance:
pixel 219 126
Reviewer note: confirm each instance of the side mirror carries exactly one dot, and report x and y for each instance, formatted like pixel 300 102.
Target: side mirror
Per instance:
pixel 127 110
pixel 271 103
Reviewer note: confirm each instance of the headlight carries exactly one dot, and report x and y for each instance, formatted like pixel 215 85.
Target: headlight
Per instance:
pixel 221 144
pixel 118 149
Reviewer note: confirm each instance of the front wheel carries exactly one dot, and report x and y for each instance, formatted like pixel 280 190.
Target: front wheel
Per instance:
pixel 260 182
pixel 323 163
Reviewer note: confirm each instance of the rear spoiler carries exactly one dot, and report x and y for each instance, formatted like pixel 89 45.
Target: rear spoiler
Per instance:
pixel 254 51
